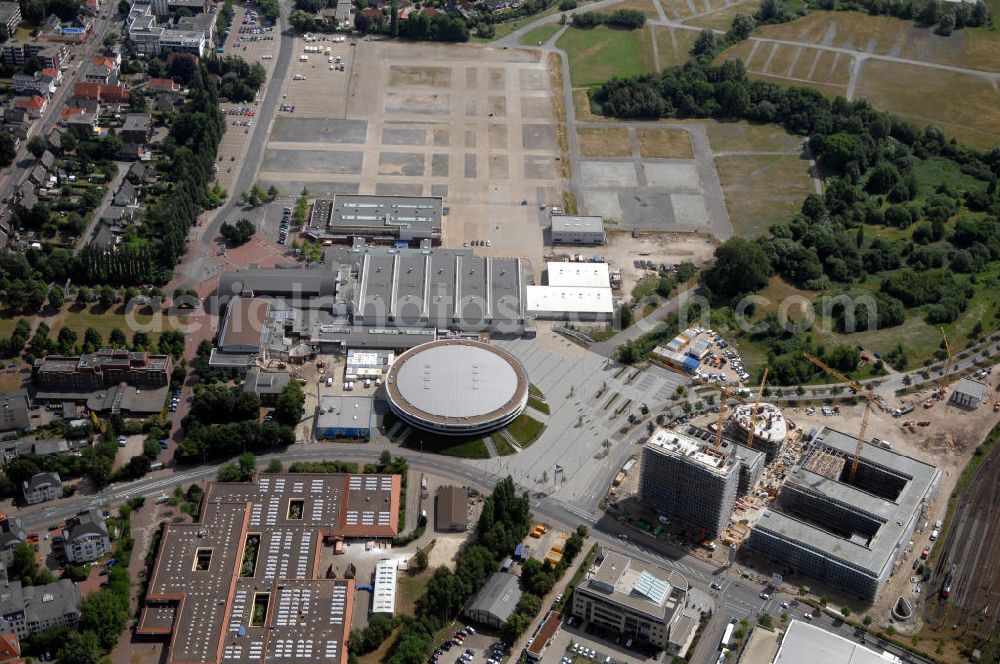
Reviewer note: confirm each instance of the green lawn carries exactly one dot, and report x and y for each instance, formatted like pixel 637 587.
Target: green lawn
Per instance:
pixel 540 35
pixel 525 430
pixel 538 405
pixel 601 53
pixel 467 448
pixel 104 321
pixel 503 447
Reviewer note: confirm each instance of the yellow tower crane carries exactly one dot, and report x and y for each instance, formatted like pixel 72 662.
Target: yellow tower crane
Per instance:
pixel 947 364
pixel 753 411
pixel 725 394
pixel 858 389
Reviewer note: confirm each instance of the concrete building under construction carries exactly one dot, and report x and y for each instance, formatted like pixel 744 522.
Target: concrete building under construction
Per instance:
pixel 769 428
pixel 689 480
pixel 847 534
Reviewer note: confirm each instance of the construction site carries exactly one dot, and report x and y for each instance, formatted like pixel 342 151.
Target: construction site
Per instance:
pixel 845 498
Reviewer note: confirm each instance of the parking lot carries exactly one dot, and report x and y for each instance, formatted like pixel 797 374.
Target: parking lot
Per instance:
pixel 260 47
pixel 722 364
pixel 468 645
pixel 468 124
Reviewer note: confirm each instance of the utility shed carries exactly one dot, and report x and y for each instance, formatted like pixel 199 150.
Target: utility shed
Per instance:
pixel 968 393
pixel 495 602
pixel 451 513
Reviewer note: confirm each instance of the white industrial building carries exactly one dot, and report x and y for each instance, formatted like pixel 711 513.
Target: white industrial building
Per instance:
pixel 580 275
pixel 569 303
pixel 808 643
pixel 567 229
pixel 384 589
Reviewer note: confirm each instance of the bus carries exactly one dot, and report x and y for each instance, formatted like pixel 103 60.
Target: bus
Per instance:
pixel 728 635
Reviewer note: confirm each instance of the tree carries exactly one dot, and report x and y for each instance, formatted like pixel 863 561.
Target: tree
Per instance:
pixel 275 466
pixel 56 297
pixel 7 149
pixel 291 405
pixel 92 340
pixel 867 621
pixel 845 611
pixel 272 193
pixel 66 340
pixel 104 614
pixel 705 46
pixel 80 647
pixel 229 472
pixel 116 338
pixel 421 559
pixel 362 23
pixel 140 341
pixel 37 146
pixel 512 628
pixel 24 566
pixel 740 29
pixel 239 233
pixel 741 267
pixel 247 465
pixel 107 296
pixel 765 620
pixel 123 7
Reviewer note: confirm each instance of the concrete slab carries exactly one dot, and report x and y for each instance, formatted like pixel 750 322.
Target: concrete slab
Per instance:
pixel 410 164
pixel 602 202
pixel 538 137
pixel 418 104
pixel 398 189
pixel 675 176
pixel 318 130
pixel 394 136
pixel 312 161
pixel 689 209
pixel 608 174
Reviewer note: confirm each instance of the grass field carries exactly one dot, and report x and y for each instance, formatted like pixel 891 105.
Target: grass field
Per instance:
pixel 599 54
pixel 721 20
pixel 466 448
pixel 664 143
pixel 554 65
pixel 104 322
pixel 964 105
pixel 973 48
pixel 604 142
pixel 745 137
pixel 541 34
pixel 525 430
pixel 761 190
pixel 645 6
pixel 674 45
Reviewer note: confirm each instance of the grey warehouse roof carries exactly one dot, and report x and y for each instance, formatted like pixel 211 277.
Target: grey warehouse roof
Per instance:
pixel 498 597
pixel 344 412
pixel 972 388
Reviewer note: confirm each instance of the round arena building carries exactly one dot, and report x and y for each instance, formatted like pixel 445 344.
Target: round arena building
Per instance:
pixel 457 387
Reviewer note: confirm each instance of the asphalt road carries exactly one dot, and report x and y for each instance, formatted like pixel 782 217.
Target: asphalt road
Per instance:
pixel 250 163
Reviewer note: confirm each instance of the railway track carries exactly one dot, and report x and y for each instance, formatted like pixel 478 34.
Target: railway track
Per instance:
pixel 973 544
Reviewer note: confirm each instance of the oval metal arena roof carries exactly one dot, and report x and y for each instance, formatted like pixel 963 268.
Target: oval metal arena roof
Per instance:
pixel 455 380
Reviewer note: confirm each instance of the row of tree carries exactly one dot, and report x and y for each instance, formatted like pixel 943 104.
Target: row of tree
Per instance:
pixel 625 19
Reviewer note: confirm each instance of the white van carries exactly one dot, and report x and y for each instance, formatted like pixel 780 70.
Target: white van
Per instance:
pixel 329 381
pixel 934 534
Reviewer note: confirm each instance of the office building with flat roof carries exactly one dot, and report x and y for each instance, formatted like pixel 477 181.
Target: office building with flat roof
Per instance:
pixel 633 599
pixel 849 535
pixel 244 583
pixel 345 417
pixel 568 229
pixel 687 479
